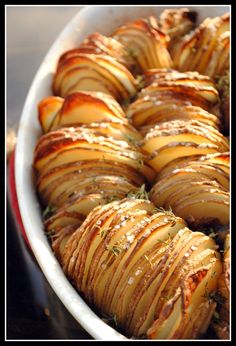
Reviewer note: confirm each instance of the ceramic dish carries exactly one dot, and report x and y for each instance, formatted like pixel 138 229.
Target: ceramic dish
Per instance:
pixel 102 19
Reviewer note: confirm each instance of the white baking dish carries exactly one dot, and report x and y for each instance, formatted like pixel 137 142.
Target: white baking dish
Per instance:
pixel 102 19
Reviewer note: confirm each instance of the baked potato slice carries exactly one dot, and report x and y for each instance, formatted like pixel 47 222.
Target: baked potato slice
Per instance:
pixel 146 43
pixel 111 187
pixel 218 160
pixel 198 51
pixel 92 238
pixel 159 158
pixel 216 209
pixel 164 286
pixel 47 111
pixel 177 22
pixel 91 72
pixel 97 43
pixel 87 107
pixel 94 167
pixel 177 131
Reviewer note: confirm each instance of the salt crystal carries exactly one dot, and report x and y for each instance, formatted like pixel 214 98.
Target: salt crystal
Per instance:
pixel 130 281
pixel 130 237
pixel 138 272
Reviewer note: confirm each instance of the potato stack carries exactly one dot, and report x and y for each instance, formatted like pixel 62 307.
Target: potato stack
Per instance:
pixel 146 268
pixel 86 157
pixel 207 50
pixel 178 112
pixel 125 117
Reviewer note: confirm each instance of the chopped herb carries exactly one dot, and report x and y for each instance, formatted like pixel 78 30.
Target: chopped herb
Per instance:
pixel 223 84
pixel 140 193
pixel 149 261
pixel 166 298
pixel 125 103
pixel 94 179
pixel 49 211
pixel 212 233
pixel 130 139
pixel 169 213
pixel 111 198
pixel 51 233
pixel 216 315
pixel 140 164
pixel 132 52
pixel 103 231
pixel 161 241
pixel 116 249
pixel 110 319
pixel 140 82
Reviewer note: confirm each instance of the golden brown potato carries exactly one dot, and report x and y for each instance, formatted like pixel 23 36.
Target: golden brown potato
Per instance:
pixel 91 72
pixel 97 43
pixel 177 22
pixel 206 49
pixel 171 95
pixel 77 109
pixel 175 139
pixel 71 144
pixel 145 42
pixel 146 268
pixel 195 189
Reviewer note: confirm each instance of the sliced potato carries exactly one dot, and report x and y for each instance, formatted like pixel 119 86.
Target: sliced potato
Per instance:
pixel 145 42
pixel 91 72
pixel 87 107
pixel 100 44
pixel 177 22
pixel 127 256
pixel 158 159
pixel 94 167
pixel 204 47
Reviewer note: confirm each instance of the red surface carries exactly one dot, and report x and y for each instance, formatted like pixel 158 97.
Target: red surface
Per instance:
pixel 13 198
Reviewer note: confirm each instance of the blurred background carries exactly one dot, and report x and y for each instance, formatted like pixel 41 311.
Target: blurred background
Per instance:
pixel 33 311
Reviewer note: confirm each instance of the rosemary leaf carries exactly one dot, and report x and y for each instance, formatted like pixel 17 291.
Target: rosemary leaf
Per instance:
pixel 49 211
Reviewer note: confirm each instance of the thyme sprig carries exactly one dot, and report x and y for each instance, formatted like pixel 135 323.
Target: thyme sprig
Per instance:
pixel 133 141
pixel 103 231
pixel 169 213
pixel 49 211
pixel 140 82
pixel 140 193
pixel 110 319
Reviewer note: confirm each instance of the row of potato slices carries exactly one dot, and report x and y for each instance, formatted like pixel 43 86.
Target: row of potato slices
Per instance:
pixel 108 64
pixel 221 318
pixel 94 72
pixel 181 138
pixel 176 22
pixel 145 268
pixel 78 168
pixel 196 188
pixel 146 42
pixel 169 95
pixel 86 107
pixel 206 49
